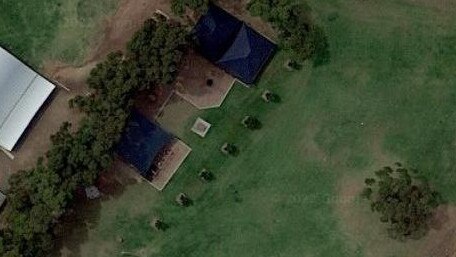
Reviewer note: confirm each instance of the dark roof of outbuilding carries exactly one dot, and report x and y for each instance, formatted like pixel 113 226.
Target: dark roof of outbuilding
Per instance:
pixel 248 54
pixel 141 141
pixel 232 45
pixel 215 32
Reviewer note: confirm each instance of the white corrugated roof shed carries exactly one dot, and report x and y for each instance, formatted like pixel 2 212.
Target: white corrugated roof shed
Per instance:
pixel 22 93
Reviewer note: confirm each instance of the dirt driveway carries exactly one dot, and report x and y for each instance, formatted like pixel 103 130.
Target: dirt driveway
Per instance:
pixel 36 139
pixel 118 29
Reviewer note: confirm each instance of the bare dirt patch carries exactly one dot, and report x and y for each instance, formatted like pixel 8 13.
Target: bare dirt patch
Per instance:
pixel 117 31
pixel 71 77
pixel 36 139
pixel 202 83
pixel 119 28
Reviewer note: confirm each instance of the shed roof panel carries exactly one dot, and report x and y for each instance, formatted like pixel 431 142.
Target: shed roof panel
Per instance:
pixel 22 93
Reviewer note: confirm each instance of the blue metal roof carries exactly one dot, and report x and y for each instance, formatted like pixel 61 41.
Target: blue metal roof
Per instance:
pixel 141 141
pixel 232 45
pixel 247 55
pixel 215 32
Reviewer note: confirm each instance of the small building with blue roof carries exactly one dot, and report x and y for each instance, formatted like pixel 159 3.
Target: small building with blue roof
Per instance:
pixel 232 45
pixel 142 142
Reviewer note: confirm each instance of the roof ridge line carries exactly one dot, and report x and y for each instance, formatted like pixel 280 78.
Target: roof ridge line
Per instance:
pixel 234 40
pixel 18 101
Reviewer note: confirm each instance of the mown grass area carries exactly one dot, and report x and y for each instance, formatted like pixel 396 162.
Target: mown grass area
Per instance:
pixel 38 30
pixel 388 91
pixel 256 196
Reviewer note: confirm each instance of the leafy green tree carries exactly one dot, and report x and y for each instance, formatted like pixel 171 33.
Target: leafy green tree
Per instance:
pixel 179 6
pixel 271 97
pixel 183 200
pixel 251 123
pixel 35 202
pixel 206 175
pixel 404 201
pixel 156 51
pixel 160 225
pixel 296 26
pixel 230 149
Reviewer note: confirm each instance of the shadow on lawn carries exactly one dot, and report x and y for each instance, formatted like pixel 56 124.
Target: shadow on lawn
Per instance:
pixel 84 214
pixel 322 54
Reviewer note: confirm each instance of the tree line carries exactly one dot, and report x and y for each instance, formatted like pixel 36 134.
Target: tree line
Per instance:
pixel 38 197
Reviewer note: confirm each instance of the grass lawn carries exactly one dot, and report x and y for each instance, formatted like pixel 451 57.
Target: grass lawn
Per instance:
pixel 387 95
pixel 38 30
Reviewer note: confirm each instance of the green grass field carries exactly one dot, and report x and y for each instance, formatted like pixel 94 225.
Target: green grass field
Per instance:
pixel 388 94
pixel 39 30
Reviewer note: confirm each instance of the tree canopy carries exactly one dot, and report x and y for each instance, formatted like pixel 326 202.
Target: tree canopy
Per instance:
pixel 405 201
pixel 179 6
pixel 155 52
pixel 38 197
pixel 296 26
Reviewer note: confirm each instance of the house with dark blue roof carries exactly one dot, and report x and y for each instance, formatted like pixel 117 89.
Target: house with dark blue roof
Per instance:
pixel 232 45
pixel 141 143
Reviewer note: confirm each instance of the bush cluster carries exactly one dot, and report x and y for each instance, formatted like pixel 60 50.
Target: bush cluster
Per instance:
pixel 298 32
pixel 404 201
pixel 179 6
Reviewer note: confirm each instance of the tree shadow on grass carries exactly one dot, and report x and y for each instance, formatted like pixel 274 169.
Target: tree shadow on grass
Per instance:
pixel 84 214
pixel 322 55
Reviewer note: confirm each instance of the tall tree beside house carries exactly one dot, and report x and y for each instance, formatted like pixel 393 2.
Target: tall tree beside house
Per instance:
pixel 298 31
pixel 404 201
pixel 155 52
pixel 38 197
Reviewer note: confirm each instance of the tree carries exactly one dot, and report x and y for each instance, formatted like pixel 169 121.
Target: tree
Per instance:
pixel 296 26
pixel 404 201
pixel 269 96
pixel 251 123
pixel 230 149
pixel 183 200
pixel 158 224
pixel 206 175
pixel 178 6
pixel 155 52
